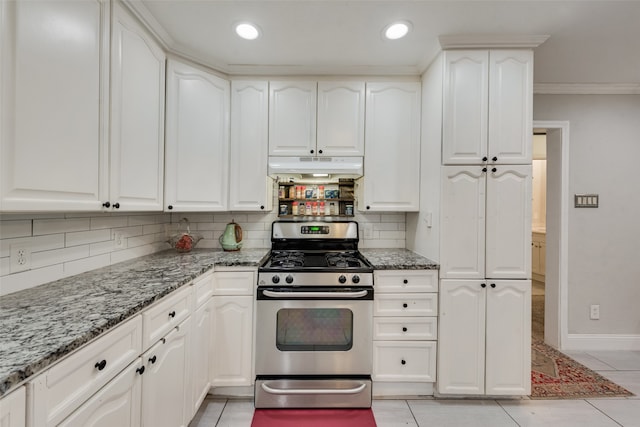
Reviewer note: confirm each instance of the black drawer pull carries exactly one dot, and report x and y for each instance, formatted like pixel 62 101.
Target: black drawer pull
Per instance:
pixel 152 359
pixel 405 281
pixel 172 314
pixel 405 305
pixel 140 370
pixel 101 365
pixel 404 329
pixel 404 362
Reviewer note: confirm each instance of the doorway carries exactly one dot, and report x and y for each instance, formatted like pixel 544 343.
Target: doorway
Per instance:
pixel 555 288
pixel 538 233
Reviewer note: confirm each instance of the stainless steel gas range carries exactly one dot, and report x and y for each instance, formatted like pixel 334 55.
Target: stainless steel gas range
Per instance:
pixel 314 318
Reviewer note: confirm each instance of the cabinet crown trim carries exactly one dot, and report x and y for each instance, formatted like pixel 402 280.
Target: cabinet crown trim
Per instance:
pixel 489 41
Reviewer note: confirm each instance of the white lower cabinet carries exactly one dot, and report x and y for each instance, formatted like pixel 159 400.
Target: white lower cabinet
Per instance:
pixel 165 380
pixel 405 326
pixel 13 409
pixel 484 345
pixel 202 323
pixel 116 404
pixel 232 337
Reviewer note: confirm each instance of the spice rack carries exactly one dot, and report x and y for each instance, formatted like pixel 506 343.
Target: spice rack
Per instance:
pixel 325 195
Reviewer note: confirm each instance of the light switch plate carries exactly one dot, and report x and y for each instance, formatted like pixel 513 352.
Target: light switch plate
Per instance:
pixel 586 200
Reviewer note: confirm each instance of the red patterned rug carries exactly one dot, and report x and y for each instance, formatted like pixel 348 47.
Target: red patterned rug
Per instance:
pixel 556 376
pixel 313 418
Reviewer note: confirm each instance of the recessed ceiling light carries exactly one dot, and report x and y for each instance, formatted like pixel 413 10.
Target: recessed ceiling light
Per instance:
pixel 247 31
pixel 397 30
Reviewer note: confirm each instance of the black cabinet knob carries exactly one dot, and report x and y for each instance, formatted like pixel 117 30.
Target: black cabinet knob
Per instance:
pixel 368 207
pixel 101 365
pixel 106 204
pixel 493 285
pixel 116 205
pixel 484 159
pixel 483 285
pixel 404 362
pixel 405 281
pixel 494 170
pixel 140 370
pixel 261 206
pixel 170 207
pixel 495 159
pixel 404 329
pixel 319 151
pixel 405 305
pixel 153 359
pixel 311 151
pixel 172 314
pixel 484 169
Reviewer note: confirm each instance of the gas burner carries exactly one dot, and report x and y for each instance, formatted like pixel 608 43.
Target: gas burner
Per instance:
pixel 287 259
pixel 343 260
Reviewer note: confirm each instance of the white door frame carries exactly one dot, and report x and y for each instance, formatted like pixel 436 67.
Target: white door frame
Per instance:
pixel 557 323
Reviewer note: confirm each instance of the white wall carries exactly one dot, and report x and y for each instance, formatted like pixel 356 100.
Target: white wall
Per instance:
pixel 604 243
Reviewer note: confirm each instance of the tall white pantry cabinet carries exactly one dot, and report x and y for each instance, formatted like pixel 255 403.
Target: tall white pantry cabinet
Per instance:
pixel 484 343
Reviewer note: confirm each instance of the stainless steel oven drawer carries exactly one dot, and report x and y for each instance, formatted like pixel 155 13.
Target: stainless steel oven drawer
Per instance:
pixel 313 393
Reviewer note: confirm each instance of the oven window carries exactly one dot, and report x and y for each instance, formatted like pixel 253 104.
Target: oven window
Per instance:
pixel 314 329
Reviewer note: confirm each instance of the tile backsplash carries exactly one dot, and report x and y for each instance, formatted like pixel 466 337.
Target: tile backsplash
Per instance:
pixel 65 244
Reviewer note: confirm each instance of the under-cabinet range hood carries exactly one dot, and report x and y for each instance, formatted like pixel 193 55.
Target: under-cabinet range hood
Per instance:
pixel 316 165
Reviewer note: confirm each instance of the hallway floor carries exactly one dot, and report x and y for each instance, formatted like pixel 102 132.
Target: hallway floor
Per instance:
pixel 622 367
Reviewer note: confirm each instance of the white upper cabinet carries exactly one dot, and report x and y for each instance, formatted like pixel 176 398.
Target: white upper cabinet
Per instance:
pixel 250 188
pixel 340 118
pixel 54 105
pixel 392 162
pixel 137 116
pixel 316 118
pixel 486 222
pixel 292 118
pixel 487 107
pixel 197 143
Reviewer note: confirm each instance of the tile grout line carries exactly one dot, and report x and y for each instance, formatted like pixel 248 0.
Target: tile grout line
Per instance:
pixel 507 412
pixel 602 412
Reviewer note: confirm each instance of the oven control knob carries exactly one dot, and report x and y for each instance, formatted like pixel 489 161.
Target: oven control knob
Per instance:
pixel 355 278
pixel 289 279
pixel 275 279
pixel 342 279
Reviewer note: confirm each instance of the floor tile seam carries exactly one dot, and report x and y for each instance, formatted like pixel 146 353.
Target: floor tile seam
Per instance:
pixel 222 412
pixel 603 413
pixel 507 412
pixel 415 420
pixel 602 361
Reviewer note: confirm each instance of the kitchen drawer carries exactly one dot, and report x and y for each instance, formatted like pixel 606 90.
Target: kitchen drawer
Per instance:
pixel 405 328
pixel 202 289
pixel 63 388
pixel 165 315
pixel 13 408
pixel 234 283
pixel 413 361
pixel 406 280
pixel 405 305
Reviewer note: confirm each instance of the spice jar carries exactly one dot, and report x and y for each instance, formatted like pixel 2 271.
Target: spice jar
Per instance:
pixel 314 208
pixel 308 209
pixel 323 209
pixel 321 192
pixel 292 192
pixel 294 208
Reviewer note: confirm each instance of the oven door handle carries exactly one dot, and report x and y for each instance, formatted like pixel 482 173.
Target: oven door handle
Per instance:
pixel 354 390
pixel 277 294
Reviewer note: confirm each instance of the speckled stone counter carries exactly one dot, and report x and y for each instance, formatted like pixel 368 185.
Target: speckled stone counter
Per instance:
pixel 38 326
pixel 398 259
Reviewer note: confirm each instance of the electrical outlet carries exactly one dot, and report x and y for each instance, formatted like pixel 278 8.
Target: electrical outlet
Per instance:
pixel 119 241
pixel 594 313
pixel 20 258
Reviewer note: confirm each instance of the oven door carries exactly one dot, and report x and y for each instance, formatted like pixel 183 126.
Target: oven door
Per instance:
pixel 314 331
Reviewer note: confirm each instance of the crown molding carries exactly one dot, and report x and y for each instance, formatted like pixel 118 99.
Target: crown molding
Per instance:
pixel 586 88
pixel 491 41
pixel 140 11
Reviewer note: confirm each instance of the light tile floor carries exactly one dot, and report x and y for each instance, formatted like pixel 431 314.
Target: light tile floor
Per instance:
pixel 622 367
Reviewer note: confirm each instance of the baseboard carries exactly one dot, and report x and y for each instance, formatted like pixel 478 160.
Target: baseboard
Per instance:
pixel 602 342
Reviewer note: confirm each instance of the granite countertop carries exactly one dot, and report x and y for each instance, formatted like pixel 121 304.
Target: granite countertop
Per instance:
pixel 398 259
pixel 39 326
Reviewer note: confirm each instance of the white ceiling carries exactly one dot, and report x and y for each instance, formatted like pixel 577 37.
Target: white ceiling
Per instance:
pixel 591 41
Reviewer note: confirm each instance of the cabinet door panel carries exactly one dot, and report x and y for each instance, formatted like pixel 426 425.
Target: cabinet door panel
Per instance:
pixel 461 341
pixel 250 188
pixel 13 408
pixel 508 368
pixel 465 107
pixel 54 106
pixel 292 118
pixel 462 252
pixel 392 162
pixel 137 116
pixel 340 118
pixel 197 149
pixel 508 229
pixel 200 357
pixel 117 404
pixel 510 106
